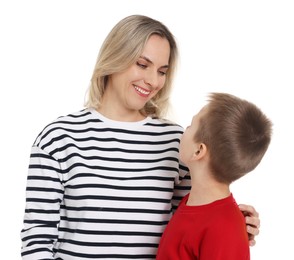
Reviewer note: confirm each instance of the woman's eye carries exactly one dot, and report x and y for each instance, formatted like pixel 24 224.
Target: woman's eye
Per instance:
pixel 142 65
pixel 162 73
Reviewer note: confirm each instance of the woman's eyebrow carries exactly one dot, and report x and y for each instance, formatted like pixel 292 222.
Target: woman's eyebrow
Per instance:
pixel 151 62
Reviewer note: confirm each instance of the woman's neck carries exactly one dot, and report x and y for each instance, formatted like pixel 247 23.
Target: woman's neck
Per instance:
pixel 120 115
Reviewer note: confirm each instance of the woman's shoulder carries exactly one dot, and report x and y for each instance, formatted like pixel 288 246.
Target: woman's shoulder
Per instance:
pixel 73 117
pixel 65 123
pixel 164 122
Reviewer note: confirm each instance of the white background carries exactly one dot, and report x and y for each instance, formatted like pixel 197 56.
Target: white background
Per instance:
pixel 47 53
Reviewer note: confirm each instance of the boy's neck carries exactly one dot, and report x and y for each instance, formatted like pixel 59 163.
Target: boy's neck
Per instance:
pixel 206 190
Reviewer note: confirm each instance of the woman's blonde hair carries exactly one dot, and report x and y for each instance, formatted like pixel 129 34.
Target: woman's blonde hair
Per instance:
pixel 122 48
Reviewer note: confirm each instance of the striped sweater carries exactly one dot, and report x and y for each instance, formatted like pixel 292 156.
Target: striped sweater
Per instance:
pixel 101 189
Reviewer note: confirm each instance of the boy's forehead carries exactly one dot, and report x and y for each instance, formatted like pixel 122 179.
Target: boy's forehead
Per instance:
pixel 197 117
pixel 201 111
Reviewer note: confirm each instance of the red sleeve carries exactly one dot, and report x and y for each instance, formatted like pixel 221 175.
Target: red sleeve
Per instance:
pixel 226 240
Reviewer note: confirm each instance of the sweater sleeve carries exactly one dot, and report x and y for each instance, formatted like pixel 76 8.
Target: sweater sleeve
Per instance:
pixel 182 186
pixel 44 194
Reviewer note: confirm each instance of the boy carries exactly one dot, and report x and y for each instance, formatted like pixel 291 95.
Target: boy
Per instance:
pixel 226 139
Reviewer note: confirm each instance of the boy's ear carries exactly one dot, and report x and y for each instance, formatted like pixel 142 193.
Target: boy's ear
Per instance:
pixel 200 152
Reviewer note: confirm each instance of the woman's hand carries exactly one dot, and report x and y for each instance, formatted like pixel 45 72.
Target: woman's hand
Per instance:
pixel 252 221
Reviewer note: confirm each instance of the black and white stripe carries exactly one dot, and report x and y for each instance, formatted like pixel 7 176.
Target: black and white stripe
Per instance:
pixel 101 189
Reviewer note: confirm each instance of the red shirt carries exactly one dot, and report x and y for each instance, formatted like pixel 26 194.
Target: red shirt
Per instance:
pixel 216 231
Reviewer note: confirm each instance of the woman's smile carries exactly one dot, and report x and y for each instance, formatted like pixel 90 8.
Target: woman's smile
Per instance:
pixel 142 91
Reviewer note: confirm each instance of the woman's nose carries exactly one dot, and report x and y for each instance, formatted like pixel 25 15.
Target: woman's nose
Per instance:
pixel 152 79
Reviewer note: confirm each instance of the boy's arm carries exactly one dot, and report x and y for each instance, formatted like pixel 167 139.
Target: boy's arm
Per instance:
pixel 226 240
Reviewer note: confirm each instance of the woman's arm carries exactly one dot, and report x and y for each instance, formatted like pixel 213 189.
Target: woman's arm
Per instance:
pixel 43 196
pixel 252 221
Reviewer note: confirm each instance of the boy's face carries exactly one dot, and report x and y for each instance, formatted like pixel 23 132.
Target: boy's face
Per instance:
pixel 188 145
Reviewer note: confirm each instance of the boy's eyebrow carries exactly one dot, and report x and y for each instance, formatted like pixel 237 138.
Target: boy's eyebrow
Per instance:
pixel 150 61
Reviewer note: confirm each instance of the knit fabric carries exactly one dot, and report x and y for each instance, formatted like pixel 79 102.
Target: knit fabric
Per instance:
pixel 101 189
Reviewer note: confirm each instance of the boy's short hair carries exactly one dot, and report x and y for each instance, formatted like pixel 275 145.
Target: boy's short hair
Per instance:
pixel 237 134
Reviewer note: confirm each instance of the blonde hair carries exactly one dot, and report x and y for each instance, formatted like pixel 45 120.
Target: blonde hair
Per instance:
pixel 122 48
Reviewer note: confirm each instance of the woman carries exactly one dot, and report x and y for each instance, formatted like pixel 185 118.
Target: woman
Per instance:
pixel 103 182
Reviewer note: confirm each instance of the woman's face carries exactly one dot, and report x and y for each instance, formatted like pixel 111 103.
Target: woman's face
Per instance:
pixel 129 91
